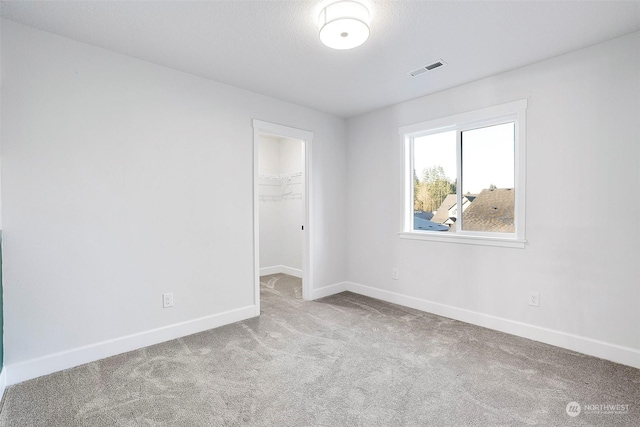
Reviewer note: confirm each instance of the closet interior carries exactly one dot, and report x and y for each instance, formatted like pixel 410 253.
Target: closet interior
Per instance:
pixel 281 194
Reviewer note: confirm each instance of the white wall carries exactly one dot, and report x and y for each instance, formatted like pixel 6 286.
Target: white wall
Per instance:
pixel 269 163
pixel 583 152
pixel 122 180
pixel 292 212
pixel 280 218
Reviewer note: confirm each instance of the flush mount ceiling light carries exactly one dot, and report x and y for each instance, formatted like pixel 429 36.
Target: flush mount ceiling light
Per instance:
pixel 344 24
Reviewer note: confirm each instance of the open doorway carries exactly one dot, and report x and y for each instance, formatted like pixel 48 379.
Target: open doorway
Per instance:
pixel 281 204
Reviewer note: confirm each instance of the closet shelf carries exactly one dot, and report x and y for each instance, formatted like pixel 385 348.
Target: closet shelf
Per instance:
pixel 291 196
pixel 283 177
pixel 280 187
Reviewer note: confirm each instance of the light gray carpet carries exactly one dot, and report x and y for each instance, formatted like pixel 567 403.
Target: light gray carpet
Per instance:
pixel 346 360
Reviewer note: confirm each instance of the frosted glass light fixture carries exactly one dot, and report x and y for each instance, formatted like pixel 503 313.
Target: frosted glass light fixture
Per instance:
pixel 344 24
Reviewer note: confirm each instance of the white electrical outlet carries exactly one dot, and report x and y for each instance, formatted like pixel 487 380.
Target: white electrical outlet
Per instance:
pixel 167 300
pixel 534 299
pixel 394 274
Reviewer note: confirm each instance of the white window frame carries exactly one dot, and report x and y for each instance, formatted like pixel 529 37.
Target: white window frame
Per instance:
pixel 499 114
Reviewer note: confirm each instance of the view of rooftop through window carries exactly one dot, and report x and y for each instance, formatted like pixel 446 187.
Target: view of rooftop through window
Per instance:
pixel 487 180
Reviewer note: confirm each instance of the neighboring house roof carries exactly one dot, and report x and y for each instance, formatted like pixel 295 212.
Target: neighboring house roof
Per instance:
pixel 425 224
pixel 424 215
pixel 492 210
pixel 442 214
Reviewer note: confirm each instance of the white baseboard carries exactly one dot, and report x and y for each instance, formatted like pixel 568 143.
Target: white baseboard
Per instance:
pixel 281 269
pixel 604 350
pixel 22 371
pixel 3 382
pixel 326 291
pixel 18 372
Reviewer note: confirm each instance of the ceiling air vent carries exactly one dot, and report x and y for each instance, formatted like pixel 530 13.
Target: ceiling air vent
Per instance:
pixel 439 63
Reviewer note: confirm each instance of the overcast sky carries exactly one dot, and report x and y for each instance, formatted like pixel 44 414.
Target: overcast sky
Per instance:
pixel 487 153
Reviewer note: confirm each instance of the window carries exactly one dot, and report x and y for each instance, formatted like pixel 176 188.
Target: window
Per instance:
pixel 464 177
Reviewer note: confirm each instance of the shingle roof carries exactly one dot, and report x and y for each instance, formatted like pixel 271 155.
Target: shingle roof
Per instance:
pixel 424 215
pixel 442 214
pixel 492 210
pixel 424 224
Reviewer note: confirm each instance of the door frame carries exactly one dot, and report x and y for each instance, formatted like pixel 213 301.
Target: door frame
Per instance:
pixel 262 127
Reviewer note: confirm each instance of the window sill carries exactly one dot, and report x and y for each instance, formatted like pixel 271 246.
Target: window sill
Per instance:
pixel 463 239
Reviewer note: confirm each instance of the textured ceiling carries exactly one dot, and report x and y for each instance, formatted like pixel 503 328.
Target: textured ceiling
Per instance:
pixel 272 46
